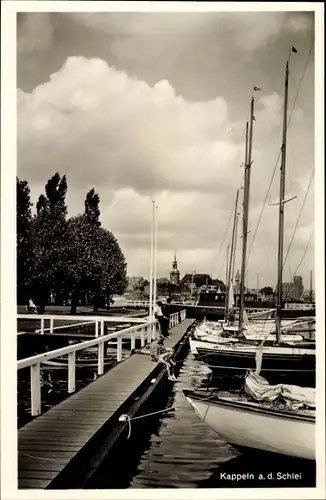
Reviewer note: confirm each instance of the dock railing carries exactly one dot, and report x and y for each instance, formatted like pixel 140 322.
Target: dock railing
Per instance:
pixel 146 329
pixel 79 320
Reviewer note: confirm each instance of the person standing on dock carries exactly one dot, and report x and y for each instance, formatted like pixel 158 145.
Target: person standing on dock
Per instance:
pixel 166 309
pixel 161 318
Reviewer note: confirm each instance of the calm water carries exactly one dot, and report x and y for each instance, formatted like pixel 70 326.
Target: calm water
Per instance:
pixel 178 450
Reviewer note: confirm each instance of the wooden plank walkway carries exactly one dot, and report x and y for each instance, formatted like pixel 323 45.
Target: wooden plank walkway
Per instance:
pixel 49 443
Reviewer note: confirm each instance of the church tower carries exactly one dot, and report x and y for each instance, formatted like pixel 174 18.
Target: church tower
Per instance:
pixel 174 273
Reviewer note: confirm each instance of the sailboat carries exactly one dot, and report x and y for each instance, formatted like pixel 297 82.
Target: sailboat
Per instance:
pixel 247 423
pixel 272 418
pixel 294 362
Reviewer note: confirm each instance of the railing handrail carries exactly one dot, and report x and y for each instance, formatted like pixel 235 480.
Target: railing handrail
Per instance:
pixel 58 317
pixel 71 325
pixel 39 358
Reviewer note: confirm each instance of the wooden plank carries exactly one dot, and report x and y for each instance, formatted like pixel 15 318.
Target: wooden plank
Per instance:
pixel 41 474
pixel 57 439
pixel 54 448
pixel 32 483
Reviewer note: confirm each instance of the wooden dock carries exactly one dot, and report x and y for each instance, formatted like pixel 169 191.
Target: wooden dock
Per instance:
pixel 55 447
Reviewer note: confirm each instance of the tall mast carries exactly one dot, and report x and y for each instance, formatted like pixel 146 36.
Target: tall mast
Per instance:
pixel 151 306
pixel 155 259
pixel 226 281
pixel 229 268
pixel 310 288
pixel 246 198
pixel 281 210
pixel 235 246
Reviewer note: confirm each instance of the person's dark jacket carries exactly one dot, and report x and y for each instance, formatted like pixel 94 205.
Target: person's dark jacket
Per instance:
pixel 166 310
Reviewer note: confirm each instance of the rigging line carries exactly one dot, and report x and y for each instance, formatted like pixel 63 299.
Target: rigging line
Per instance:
pixel 300 82
pixel 279 154
pixel 224 236
pixel 298 218
pixel 263 207
pixel 305 251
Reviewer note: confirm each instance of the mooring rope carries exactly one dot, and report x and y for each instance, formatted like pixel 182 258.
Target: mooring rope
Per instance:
pixel 126 418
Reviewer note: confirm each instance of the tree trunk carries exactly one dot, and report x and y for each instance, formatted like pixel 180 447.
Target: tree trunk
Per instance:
pixel 74 297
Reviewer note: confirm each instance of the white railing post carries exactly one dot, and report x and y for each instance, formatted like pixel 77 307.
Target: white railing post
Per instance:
pixel 51 325
pixel 119 349
pixel 100 354
pixel 148 334
pixel 42 326
pixel 100 351
pixel 156 326
pixel 96 328
pixel 35 390
pixel 71 372
pixel 142 337
pixel 132 341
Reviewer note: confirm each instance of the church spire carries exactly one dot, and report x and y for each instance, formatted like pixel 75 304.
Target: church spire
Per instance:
pixel 175 263
pixel 175 274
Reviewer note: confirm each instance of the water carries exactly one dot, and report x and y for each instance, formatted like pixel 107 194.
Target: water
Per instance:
pixel 178 450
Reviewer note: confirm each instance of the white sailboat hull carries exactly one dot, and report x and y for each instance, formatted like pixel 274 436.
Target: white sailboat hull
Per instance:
pixel 260 429
pixel 208 341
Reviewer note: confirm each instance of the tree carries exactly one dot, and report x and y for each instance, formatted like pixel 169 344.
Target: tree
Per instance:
pixel 267 290
pixel 24 244
pixel 97 267
pixel 92 210
pixel 48 235
pixel 198 279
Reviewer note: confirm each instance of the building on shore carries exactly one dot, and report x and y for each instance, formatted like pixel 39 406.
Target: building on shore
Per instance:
pixel 294 290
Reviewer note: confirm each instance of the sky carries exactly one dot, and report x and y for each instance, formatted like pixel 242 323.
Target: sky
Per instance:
pixel 152 106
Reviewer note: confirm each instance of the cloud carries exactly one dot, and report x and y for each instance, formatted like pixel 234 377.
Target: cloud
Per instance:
pixel 136 142
pixel 35 32
pixel 128 133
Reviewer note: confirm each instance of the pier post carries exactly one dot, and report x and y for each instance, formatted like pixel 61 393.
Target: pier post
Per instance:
pixel 42 326
pixel 132 343
pixel 100 352
pixel 36 390
pixel 71 372
pixel 142 337
pixel 119 349
pixel 149 335
pixel 51 325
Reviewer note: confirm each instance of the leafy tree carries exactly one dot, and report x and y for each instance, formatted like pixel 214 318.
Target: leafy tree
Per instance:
pixel 97 266
pixel 198 279
pixel 267 290
pixel 92 210
pixel 48 234
pixel 24 245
